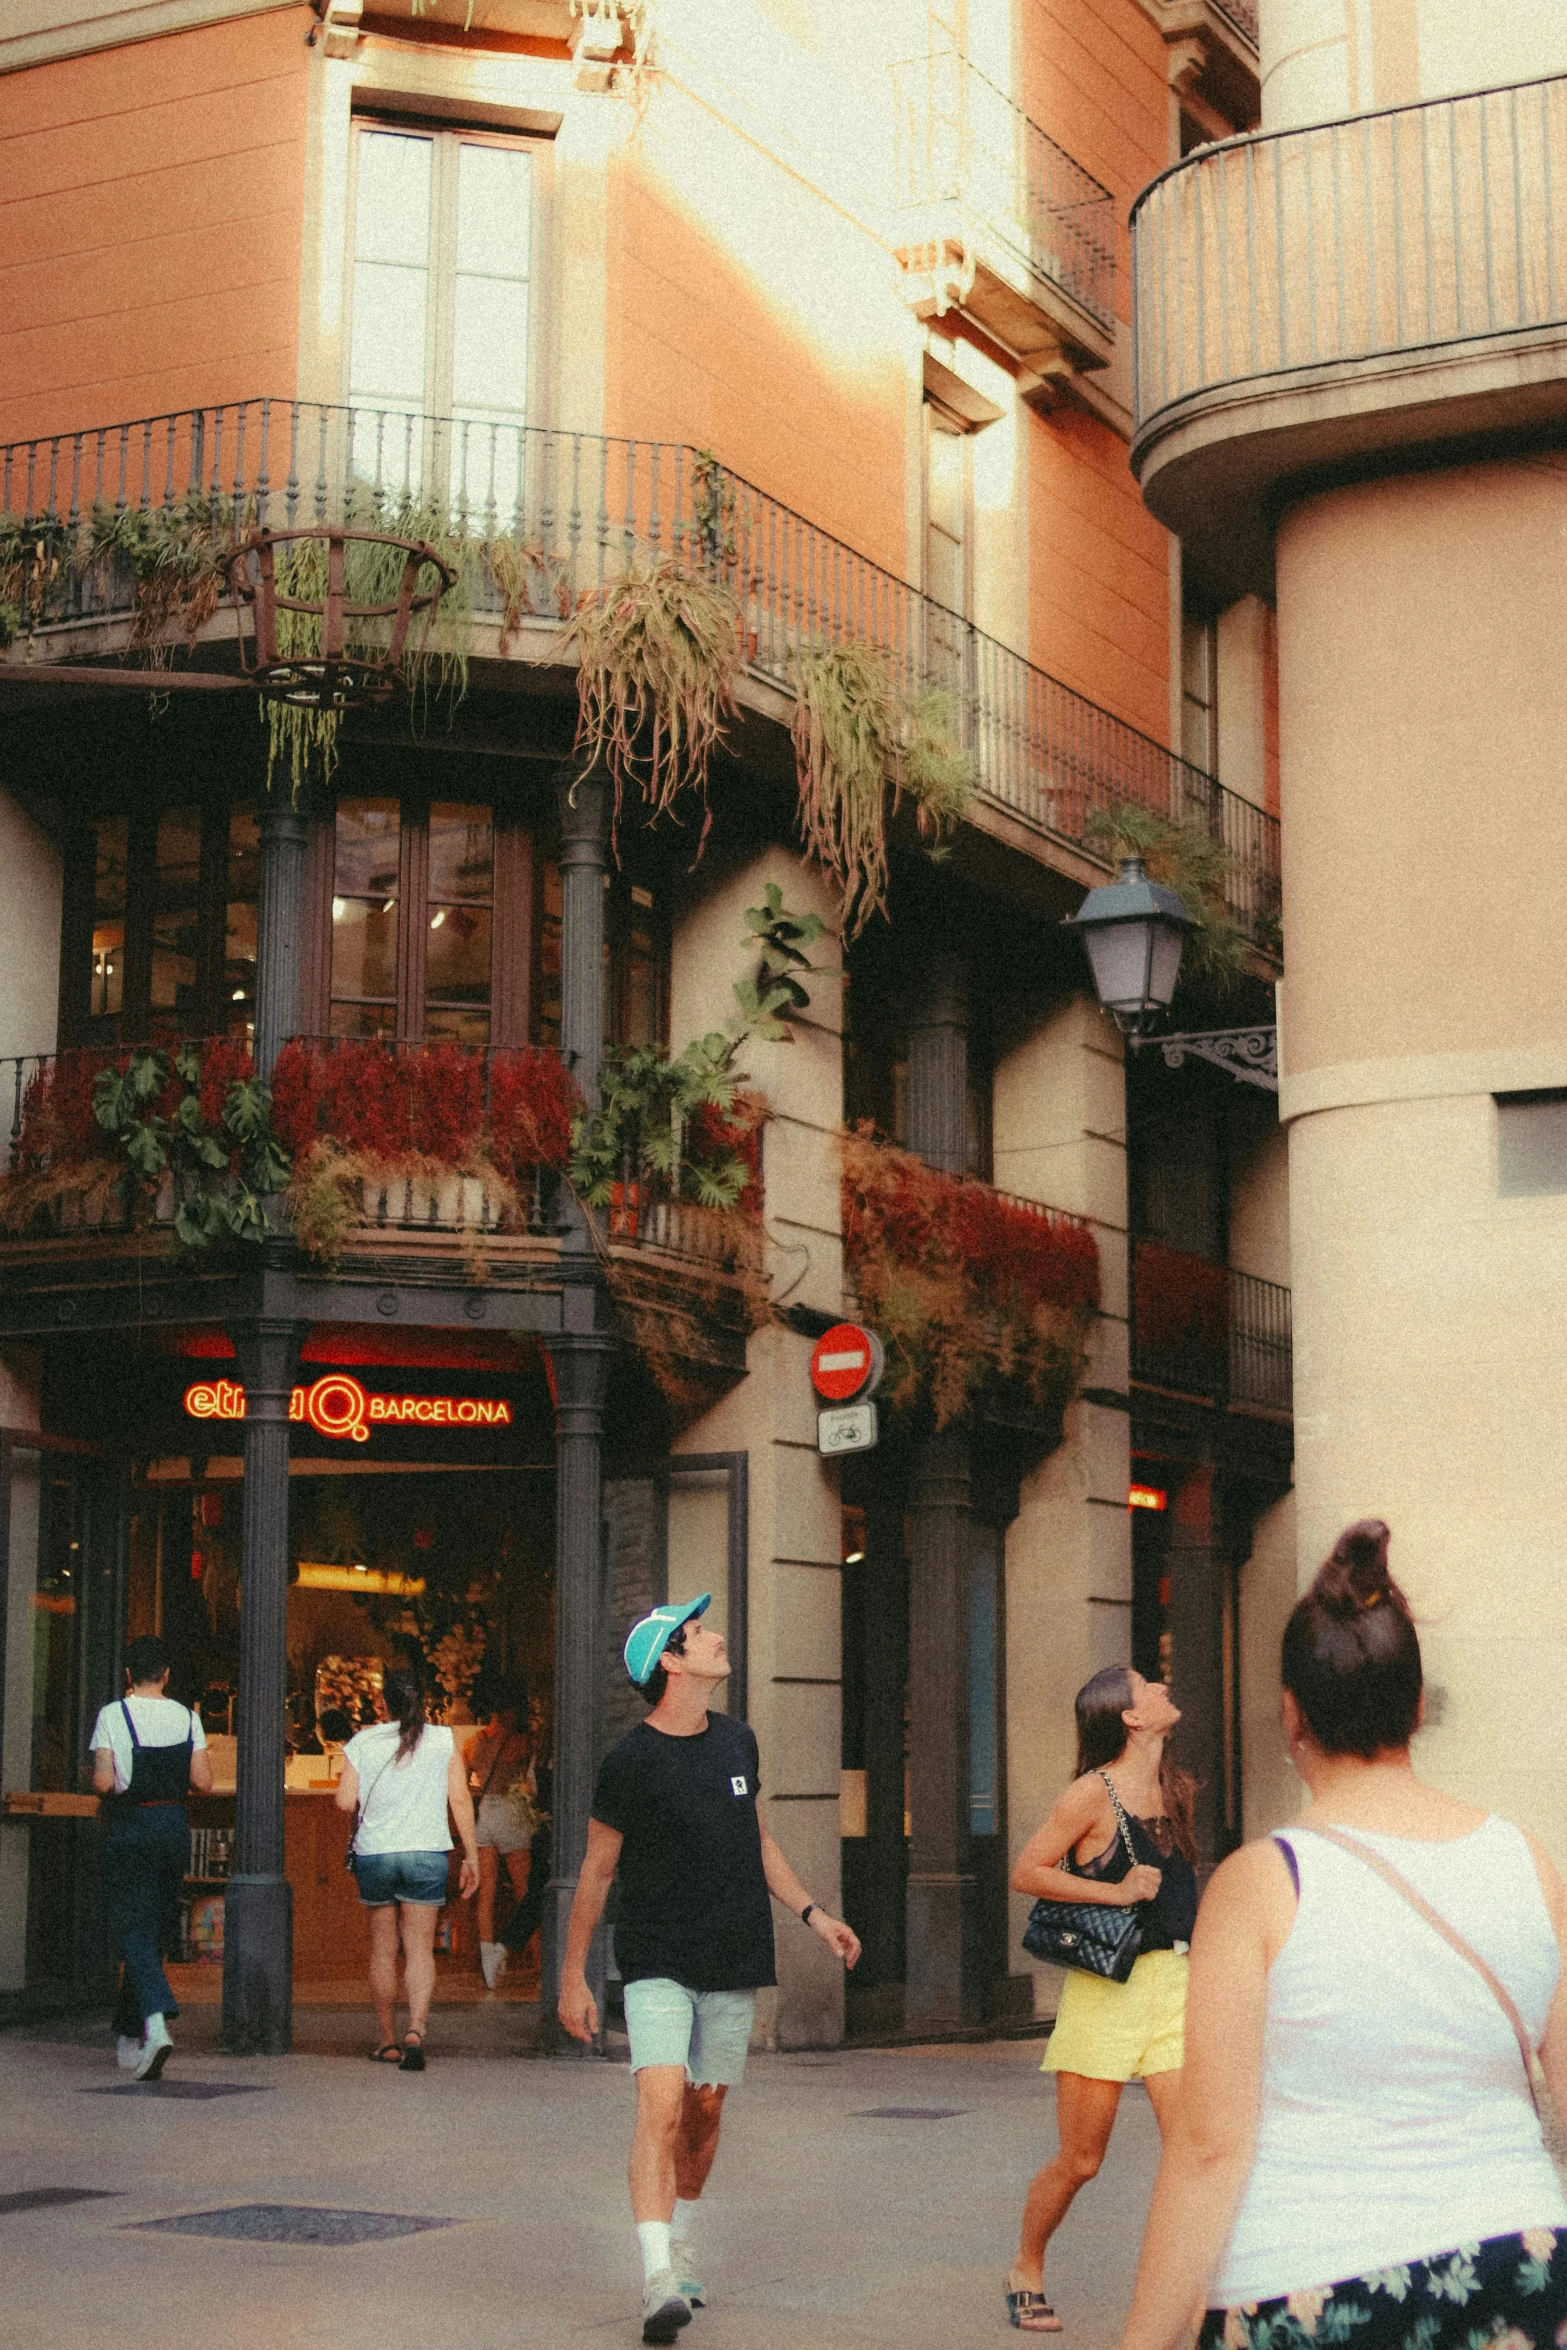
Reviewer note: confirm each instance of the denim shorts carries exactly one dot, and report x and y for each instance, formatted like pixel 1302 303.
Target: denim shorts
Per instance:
pixel 706 2031
pixel 387 1877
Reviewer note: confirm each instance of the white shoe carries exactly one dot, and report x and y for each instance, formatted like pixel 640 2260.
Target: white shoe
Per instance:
pixel 492 1962
pixel 155 2050
pixel 690 2284
pixel 126 2053
pixel 665 2308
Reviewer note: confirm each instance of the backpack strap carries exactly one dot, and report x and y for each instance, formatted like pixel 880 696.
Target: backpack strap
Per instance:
pixel 125 1708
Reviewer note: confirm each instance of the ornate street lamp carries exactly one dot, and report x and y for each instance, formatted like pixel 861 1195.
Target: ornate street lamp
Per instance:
pixel 1133 931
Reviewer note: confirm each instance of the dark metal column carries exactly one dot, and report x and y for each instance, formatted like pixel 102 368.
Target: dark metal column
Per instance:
pixel 581 1356
pixel 258 1936
pixel 939 1987
pixel 277 931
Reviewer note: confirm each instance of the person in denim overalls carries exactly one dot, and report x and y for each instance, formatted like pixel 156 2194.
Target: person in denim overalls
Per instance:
pixel 146 1845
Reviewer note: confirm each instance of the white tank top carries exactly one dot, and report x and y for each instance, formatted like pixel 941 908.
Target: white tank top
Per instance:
pixel 1395 2122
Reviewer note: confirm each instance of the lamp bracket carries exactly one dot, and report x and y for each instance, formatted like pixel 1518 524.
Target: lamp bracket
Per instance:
pixel 1251 1055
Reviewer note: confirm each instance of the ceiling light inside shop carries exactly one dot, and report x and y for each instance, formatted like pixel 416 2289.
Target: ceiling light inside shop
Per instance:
pixel 339 908
pixel 855 1558
pixel 438 917
pixel 316 1577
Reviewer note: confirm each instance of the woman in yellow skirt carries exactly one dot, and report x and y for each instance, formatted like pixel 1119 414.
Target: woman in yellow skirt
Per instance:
pixel 1107 2034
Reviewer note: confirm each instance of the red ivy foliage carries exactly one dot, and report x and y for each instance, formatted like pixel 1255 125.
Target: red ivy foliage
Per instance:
pixel 1180 1303
pixel 59 1129
pixel 1012 1256
pixel 964 1286
pixel 446 1102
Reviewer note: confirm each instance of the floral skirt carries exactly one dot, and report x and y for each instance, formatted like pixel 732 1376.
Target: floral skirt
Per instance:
pixel 1509 2293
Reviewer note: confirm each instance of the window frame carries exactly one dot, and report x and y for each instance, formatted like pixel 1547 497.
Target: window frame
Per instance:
pixel 446 136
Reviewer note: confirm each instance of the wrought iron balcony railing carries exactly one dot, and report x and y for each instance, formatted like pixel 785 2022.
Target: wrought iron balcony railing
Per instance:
pixel 962 144
pixel 1204 1329
pixel 1397 232
pixel 548 519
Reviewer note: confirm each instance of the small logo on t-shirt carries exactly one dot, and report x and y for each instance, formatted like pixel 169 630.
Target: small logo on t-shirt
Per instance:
pixel 739 1785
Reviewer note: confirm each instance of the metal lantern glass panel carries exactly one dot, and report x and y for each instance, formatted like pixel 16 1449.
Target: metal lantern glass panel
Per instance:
pixel 1133 931
pixel 332 610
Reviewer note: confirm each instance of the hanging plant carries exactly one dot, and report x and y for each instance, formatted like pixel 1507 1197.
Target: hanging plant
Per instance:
pixel 302 739
pixel 658 657
pixel 618 21
pixel 1183 854
pixel 177 558
pixel 968 1291
pixel 860 744
pixel 33 557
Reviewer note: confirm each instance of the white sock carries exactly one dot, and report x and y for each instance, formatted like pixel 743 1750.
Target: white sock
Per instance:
pixel 653 2236
pixel 156 2030
pixel 683 2226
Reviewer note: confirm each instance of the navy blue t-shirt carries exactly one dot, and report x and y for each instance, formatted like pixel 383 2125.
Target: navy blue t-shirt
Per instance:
pixel 694 1904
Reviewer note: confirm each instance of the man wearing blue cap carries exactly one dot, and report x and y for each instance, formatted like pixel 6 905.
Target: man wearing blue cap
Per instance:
pixel 675 1812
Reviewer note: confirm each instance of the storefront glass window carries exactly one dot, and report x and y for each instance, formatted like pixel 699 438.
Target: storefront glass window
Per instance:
pixel 176 922
pixel 364 918
pixel 458 924
pixel 239 951
pixel 111 854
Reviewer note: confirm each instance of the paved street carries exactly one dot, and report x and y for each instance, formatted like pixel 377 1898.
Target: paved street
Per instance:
pixel 830 2223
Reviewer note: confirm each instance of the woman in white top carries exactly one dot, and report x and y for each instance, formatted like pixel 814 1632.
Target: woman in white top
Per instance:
pixel 1355 2156
pixel 404 1775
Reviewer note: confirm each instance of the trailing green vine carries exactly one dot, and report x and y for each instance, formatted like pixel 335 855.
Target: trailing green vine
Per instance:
pixel 861 743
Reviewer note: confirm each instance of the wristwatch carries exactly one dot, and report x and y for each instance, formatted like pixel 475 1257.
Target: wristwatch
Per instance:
pixel 805 1914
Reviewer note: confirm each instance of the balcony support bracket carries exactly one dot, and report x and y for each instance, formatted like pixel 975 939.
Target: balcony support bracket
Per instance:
pixel 1250 1055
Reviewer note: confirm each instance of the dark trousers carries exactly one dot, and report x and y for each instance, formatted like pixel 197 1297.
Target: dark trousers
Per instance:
pixel 146 1854
pixel 528 1916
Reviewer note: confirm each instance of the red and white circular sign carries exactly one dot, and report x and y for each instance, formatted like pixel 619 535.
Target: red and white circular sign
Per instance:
pixel 845 1360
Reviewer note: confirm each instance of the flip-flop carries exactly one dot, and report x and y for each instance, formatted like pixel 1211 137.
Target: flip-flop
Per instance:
pixel 412 2059
pixel 1023 2305
pixel 387 2053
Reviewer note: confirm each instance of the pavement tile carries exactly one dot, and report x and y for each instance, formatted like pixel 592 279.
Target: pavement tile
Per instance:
pixel 824 2225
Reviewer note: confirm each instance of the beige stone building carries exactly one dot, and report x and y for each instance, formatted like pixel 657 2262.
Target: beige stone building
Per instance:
pixel 1351 405
pixel 827 312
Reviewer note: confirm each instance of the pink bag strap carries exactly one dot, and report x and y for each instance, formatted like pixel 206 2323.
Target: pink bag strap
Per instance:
pixel 1455 1941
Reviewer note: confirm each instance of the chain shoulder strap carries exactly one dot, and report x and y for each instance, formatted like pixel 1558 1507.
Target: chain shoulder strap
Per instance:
pixel 1121 1820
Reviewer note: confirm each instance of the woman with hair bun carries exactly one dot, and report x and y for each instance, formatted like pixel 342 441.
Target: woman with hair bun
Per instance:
pixel 1121 1834
pixel 403 1776
pixel 1355 2157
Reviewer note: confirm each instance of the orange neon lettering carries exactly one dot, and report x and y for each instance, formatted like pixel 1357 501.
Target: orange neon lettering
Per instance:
pixel 338 1406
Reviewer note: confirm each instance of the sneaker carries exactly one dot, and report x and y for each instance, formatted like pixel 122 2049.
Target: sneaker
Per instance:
pixel 492 1962
pixel 665 2308
pixel 126 2053
pixel 155 2050
pixel 691 2288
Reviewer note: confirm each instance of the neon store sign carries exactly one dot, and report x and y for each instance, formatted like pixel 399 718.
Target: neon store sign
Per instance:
pixel 338 1406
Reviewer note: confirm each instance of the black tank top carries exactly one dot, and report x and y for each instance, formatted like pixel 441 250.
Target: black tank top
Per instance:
pixel 1171 1915
pixel 159 1774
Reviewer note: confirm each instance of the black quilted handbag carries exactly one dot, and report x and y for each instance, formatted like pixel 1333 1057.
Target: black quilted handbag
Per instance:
pixel 1096 1937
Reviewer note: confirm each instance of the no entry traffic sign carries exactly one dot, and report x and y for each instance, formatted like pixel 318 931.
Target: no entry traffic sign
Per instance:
pixel 846 1361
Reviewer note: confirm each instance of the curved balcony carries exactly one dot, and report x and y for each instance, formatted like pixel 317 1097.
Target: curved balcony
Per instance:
pixel 1323 297
pixel 546 520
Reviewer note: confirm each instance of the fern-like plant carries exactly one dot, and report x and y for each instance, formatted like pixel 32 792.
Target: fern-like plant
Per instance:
pixel 658 656
pixel 860 744
pixel 1183 854
pixel 177 557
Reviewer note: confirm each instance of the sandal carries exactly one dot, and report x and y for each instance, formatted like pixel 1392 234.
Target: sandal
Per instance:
pixel 1025 2308
pixel 412 2058
pixel 387 2053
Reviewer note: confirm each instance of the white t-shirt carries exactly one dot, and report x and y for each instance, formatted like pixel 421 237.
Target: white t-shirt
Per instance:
pixel 402 1805
pixel 159 1722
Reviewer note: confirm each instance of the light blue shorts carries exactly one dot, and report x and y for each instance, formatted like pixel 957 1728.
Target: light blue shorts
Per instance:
pixel 706 2031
